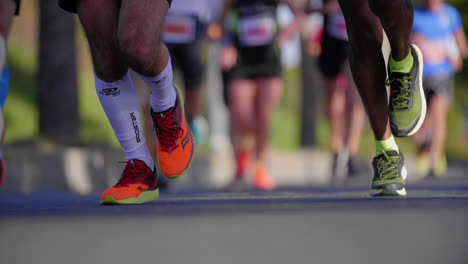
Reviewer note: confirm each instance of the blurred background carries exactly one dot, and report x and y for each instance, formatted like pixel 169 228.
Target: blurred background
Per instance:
pixel 57 134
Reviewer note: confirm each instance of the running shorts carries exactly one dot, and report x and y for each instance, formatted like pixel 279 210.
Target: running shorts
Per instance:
pixel 334 54
pixel 439 85
pixel 257 62
pixel 70 5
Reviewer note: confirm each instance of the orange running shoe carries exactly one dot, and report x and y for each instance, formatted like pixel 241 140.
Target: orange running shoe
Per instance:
pixel 137 185
pixel 244 160
pixel 174 143
pixel 262 178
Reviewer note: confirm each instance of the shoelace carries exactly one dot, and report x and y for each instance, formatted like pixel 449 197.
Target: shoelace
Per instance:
pixel 400 92
pixel 131 173
pixel 387 167
pixel 168 131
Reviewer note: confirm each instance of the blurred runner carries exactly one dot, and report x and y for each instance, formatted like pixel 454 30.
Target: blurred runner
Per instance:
pixel 183 33
pixel 344 107
pixel 438 30
pixel 8 9
pixel 255 84
pixel 403 113
pixel 126 34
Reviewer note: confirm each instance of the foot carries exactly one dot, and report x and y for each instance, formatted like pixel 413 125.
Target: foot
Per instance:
pixel 340 166
pixel 389 174
pixel 407 106
pixel 263 179
pixel 138 184
pixel 174 144
pixel 243 162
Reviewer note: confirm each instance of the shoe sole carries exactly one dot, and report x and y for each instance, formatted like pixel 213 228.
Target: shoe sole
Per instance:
pixel 421 92
pixel 142 198
pixel 182 104
pixel 391 189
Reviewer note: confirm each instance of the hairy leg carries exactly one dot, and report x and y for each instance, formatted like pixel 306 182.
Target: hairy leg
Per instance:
pixel 367 63
pixel 139 34
pixel 396 17
pixel 269 91
pixel 100 21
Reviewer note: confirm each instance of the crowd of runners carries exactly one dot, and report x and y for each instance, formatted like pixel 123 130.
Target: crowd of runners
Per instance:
pixel 136 45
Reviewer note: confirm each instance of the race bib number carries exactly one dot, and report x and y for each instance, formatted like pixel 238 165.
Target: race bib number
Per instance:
pixel 337 26
pixel 179 29
pixel 257 30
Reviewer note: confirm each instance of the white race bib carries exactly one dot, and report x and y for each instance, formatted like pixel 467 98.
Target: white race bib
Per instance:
pixel 257 30
pixel 179 29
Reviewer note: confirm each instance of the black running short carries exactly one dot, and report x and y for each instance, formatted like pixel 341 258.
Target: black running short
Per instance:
pixel 257 62
pixel 70 5
pixel 440 85
pixel 18 4
pixel 334 54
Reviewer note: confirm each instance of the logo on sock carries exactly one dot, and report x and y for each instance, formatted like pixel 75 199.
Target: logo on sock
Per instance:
pixel 135 126
pixel 110 92
pixel 162 80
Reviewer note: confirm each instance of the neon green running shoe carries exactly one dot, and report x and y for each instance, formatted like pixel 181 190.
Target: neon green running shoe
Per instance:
pixel 407 106
pixel 389 174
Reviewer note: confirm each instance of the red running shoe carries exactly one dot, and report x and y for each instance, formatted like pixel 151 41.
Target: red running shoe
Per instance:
pixel 174 143
pixel 137 185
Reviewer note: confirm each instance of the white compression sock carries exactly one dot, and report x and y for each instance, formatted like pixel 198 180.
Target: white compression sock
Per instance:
pixel 163 94
pixel 120 103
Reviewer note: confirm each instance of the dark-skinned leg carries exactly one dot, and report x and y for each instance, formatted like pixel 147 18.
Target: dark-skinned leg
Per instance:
pixel 396 17
pixel 368 68
pixel 407 104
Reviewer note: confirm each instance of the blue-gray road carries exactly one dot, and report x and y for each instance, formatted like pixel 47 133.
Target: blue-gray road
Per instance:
pixel 310 225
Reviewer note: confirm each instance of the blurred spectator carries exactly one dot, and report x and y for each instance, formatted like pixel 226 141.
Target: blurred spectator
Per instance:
pixel 8 9
pixel 438 30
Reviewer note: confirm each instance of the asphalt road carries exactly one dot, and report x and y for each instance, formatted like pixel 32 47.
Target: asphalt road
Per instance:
pixel 309 225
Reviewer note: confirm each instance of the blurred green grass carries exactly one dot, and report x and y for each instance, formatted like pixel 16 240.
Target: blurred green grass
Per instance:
pixel 21 113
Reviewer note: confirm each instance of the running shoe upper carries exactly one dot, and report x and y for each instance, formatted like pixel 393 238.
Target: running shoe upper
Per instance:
pixel 407 105
pixel 135 179
pixel 174 143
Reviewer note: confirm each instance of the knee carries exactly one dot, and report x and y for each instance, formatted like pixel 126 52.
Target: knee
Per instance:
pixel 139 49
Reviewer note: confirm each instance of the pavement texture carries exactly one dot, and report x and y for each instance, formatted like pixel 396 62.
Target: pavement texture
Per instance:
pixel 299 225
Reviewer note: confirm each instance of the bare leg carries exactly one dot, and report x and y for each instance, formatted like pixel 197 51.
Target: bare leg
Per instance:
pixel 241 106
pixel 438 108
pixel 396 17
pixel 140 24
pixel 268 95
pixel 100 20
pixel 335 112
pixel 356 115
pixel 367 63
pixel 192 102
